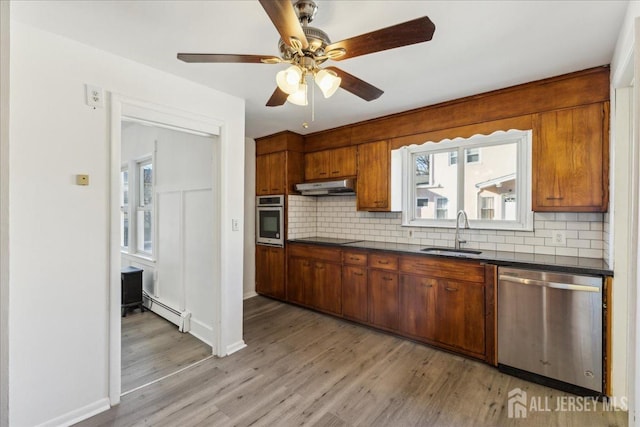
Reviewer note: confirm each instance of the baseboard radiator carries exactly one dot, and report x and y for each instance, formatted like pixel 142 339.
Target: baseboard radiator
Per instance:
pixel 180 318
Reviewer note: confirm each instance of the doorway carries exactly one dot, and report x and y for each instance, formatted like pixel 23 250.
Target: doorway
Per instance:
pixel 164 211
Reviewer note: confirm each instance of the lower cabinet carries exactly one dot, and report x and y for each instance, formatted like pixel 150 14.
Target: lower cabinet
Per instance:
pixel 460 315
pixel 315 281
pixel 438 301
pixel 383 299
pixel 270 263
pixel 354 293
pixel 418 304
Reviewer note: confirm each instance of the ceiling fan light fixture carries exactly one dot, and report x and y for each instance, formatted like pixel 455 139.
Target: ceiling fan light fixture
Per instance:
pixel 328 82
pixel 300 96
pixel 289 80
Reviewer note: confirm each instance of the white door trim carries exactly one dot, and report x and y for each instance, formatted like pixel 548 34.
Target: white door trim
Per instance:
pixel 122 106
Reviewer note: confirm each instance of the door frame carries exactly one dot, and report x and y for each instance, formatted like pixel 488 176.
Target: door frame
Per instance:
pixel 123 106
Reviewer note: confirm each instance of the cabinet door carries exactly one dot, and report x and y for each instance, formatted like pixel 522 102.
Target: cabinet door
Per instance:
pixel 460 315
pixel 383 299
pixel 418 306
pixel 569 160
pixel 342 162
pixel 326 287
pixel 298 276
pixel 263 180
pixel 374 163
pixel 277 173
pixel 271 175
pixel 354 292
pixel 316 165
pixel 270 271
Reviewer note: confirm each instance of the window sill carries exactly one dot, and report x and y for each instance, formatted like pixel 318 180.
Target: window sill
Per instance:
pixel 138 256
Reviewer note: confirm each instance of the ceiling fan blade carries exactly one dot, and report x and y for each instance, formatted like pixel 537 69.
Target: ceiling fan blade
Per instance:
pixel 410 32
pixel 285 20
pixel 224 57
pixel 356 86
pixel 278 98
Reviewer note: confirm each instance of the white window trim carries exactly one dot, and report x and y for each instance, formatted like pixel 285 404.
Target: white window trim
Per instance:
pixel 141 207
pixel 524 221
pixel 127 207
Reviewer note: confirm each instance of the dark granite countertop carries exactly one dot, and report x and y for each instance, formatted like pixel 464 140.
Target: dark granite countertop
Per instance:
pixel 566 264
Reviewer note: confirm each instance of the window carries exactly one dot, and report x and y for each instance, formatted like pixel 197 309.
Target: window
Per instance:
pixel 442 207
pixel 486 207
pixel 497 168
pixel 124 208
pixel 144 208
pixel 422 204
pixel 137 207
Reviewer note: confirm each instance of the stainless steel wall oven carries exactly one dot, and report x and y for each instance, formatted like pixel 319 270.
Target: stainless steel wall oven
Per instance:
pixel 270 220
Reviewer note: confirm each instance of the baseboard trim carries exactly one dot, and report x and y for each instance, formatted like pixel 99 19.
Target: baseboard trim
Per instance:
pixel 201 331
pixel 237 346
pixel 249 294
pixel 79 414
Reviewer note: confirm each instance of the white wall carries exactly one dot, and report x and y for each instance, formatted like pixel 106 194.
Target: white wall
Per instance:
pixel 58 324
pixel 4 213
pixel 250 218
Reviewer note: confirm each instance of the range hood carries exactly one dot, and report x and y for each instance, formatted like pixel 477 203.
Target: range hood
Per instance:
pixel 343 187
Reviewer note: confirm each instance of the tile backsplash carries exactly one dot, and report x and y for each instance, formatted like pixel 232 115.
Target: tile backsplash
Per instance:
pixel 586 233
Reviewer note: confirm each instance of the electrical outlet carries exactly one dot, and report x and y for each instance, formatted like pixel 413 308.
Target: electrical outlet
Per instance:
pixel 94 96
pixel 234 225
pixel 559 237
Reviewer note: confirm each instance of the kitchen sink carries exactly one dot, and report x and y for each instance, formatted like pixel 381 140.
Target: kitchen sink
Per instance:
pixel 451 251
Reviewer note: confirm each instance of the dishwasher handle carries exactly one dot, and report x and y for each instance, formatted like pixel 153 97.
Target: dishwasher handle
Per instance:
pixel 543 283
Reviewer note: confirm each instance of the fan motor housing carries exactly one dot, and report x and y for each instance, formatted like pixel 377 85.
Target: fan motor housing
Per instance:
pixel 318 41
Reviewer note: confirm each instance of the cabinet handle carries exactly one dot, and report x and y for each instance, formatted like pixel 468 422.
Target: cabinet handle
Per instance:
pixel 319 267
pixel 451 289
pixel 555 198
pixel 322 173
pixel 383 262
pixel 354 258
pixel 335 172
pixel 358 274
pixel 431 286
pixel 264 189
pixel 387 278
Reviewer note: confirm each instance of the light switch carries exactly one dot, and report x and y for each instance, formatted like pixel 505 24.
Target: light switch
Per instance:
pixel 82 179
pixel 234 225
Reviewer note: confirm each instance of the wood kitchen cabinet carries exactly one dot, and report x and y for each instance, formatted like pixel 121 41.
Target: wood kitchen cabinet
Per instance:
pixel 418 306
pixel 374 175
pixel 460 315
pixel 314 277
pixel 355 294
pixel 383 291
pixel 270 176
pixel 336 163
pixel 570 159
pixel 270 265
pixel 279 163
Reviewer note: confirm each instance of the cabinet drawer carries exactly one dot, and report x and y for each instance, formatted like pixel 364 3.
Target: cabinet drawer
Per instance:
pixel 354 258
pixel 383 261
pixel 322 253
pixel 469 271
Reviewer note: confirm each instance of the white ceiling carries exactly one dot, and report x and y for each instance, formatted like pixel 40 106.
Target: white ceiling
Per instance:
pixel 478 46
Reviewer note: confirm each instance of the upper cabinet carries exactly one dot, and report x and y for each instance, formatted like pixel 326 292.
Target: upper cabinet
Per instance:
pixel 270 174
pixel 330 164
pixel 570 160
pixel 374 174
pixel 279 163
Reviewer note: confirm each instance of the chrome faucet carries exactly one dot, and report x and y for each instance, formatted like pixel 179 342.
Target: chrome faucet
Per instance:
pixel 462 214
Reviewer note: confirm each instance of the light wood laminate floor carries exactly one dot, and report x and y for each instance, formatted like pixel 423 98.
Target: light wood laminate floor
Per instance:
pixel 305 368
pixel 152 348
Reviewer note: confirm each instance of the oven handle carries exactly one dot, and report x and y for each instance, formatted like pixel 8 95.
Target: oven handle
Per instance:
pixel 545 284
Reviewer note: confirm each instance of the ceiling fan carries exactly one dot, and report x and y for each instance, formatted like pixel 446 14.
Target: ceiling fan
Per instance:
pixel 306 48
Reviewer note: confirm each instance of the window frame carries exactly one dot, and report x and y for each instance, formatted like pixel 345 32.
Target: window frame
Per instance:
pixel 140 206
pixel 125 208
pixel 524 215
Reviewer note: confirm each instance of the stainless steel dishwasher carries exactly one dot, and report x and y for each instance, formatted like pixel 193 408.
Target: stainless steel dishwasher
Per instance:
pixel 550 325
